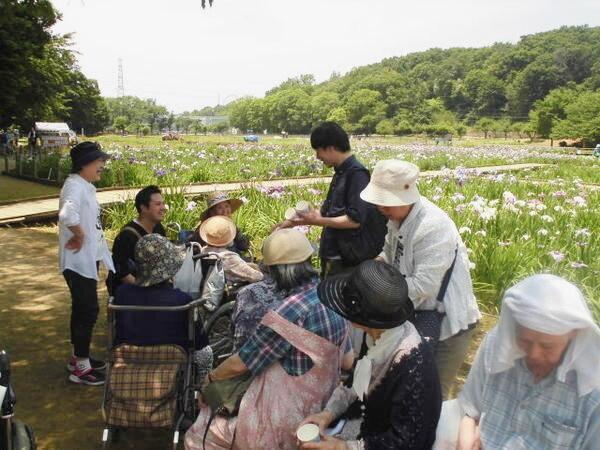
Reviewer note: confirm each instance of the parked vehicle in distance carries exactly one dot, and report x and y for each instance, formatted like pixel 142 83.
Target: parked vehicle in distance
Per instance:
pixel 170 136
pixel 251 138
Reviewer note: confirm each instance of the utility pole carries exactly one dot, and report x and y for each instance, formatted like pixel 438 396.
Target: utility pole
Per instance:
pixel 120 88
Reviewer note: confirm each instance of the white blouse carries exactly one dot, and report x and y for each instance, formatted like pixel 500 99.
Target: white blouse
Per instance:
pixel 423 249
pixel 78 206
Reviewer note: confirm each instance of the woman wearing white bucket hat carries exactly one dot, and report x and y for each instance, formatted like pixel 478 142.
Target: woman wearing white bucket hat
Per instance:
pixel 424 244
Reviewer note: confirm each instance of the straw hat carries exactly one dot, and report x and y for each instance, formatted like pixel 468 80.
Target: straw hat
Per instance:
pixel 374 294
pixel 157 259
pixel 286 246
pixel 218 231
pixel 219 197
pixel 393 183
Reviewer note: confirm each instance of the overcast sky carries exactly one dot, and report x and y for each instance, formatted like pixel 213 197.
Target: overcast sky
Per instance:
pixel 186 57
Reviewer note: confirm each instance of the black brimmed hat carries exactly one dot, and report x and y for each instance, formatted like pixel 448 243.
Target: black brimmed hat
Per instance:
pixel 373 295
pixel 86 152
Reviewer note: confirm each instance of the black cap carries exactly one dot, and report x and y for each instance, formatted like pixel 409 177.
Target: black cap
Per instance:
pixel 374 295
pixel 86 152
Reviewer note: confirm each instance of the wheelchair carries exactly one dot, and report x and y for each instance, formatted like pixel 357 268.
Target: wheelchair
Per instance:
pixel 218 322
pixel 150 386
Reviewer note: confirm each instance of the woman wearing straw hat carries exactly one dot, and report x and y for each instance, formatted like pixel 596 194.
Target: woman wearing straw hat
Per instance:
pixel 218 232
pixel 295 356
pixel 219 204
pixel 424 244
pixel 395 382
pixel 287 262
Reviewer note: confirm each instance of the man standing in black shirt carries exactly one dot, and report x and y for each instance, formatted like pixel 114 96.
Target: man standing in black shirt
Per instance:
pixel 151 209
pixel 353 230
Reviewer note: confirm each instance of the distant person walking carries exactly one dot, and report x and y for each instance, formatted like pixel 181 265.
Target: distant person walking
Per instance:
pixel 82 247
pixel 4 142
pixel 32 141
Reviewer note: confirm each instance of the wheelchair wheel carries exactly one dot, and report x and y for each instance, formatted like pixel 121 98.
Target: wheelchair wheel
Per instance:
pixel 219 328
pixel 23 438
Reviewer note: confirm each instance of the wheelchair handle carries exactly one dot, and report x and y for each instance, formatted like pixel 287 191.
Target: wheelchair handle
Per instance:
pixel 192 304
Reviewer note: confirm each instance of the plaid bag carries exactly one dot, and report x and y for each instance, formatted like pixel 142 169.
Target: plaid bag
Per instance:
pixel 143 385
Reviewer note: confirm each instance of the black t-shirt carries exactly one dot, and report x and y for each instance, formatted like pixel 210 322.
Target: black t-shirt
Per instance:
pixel 343 198
pixel 123 251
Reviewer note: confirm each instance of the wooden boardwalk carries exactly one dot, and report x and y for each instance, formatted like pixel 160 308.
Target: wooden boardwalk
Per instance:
pixel 47 208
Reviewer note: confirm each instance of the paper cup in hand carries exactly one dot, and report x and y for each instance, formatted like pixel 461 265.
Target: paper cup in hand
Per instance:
pixel 302 207
pixel 309 432
pixel 290 213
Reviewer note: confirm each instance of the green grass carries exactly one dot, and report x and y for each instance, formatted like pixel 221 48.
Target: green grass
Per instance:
pixel 138 161
pixel 12 189
pixel 584 168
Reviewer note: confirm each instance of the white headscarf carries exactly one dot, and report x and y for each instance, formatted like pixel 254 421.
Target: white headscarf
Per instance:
pixel 549 304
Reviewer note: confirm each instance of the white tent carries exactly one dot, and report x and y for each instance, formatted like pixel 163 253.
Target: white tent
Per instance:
pixel 53 134
pixel 52 127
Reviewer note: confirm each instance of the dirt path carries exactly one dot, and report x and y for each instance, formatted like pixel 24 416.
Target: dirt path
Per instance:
pixel 34 311
pixel 34 318
pixel 48 207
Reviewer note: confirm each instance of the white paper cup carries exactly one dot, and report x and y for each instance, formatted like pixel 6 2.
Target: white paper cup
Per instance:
pixel 290 213
pixel 309 432
pixel 302 206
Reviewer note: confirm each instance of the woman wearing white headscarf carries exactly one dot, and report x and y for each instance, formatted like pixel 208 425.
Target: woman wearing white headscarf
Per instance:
pixel 535 382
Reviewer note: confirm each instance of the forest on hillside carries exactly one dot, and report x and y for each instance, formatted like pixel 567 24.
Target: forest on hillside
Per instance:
pixel 547 84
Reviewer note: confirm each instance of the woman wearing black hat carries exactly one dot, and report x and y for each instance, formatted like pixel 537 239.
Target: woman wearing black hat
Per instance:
pixel 81 247
pixel 395 382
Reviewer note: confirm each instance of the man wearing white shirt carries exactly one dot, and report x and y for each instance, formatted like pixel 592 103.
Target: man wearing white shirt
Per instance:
pixel 82 247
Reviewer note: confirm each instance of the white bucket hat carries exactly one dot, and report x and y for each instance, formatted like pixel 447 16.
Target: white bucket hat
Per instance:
pixel 393 183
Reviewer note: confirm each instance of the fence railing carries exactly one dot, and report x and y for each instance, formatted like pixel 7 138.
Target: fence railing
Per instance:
pixel 38 164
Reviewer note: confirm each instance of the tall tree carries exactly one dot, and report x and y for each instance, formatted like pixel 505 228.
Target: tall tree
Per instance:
pixel 24 35
pixel 582 120
pixel 552 108
pixel 289 110
pixel 531 84
pixel 365 110
pixel 39 76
